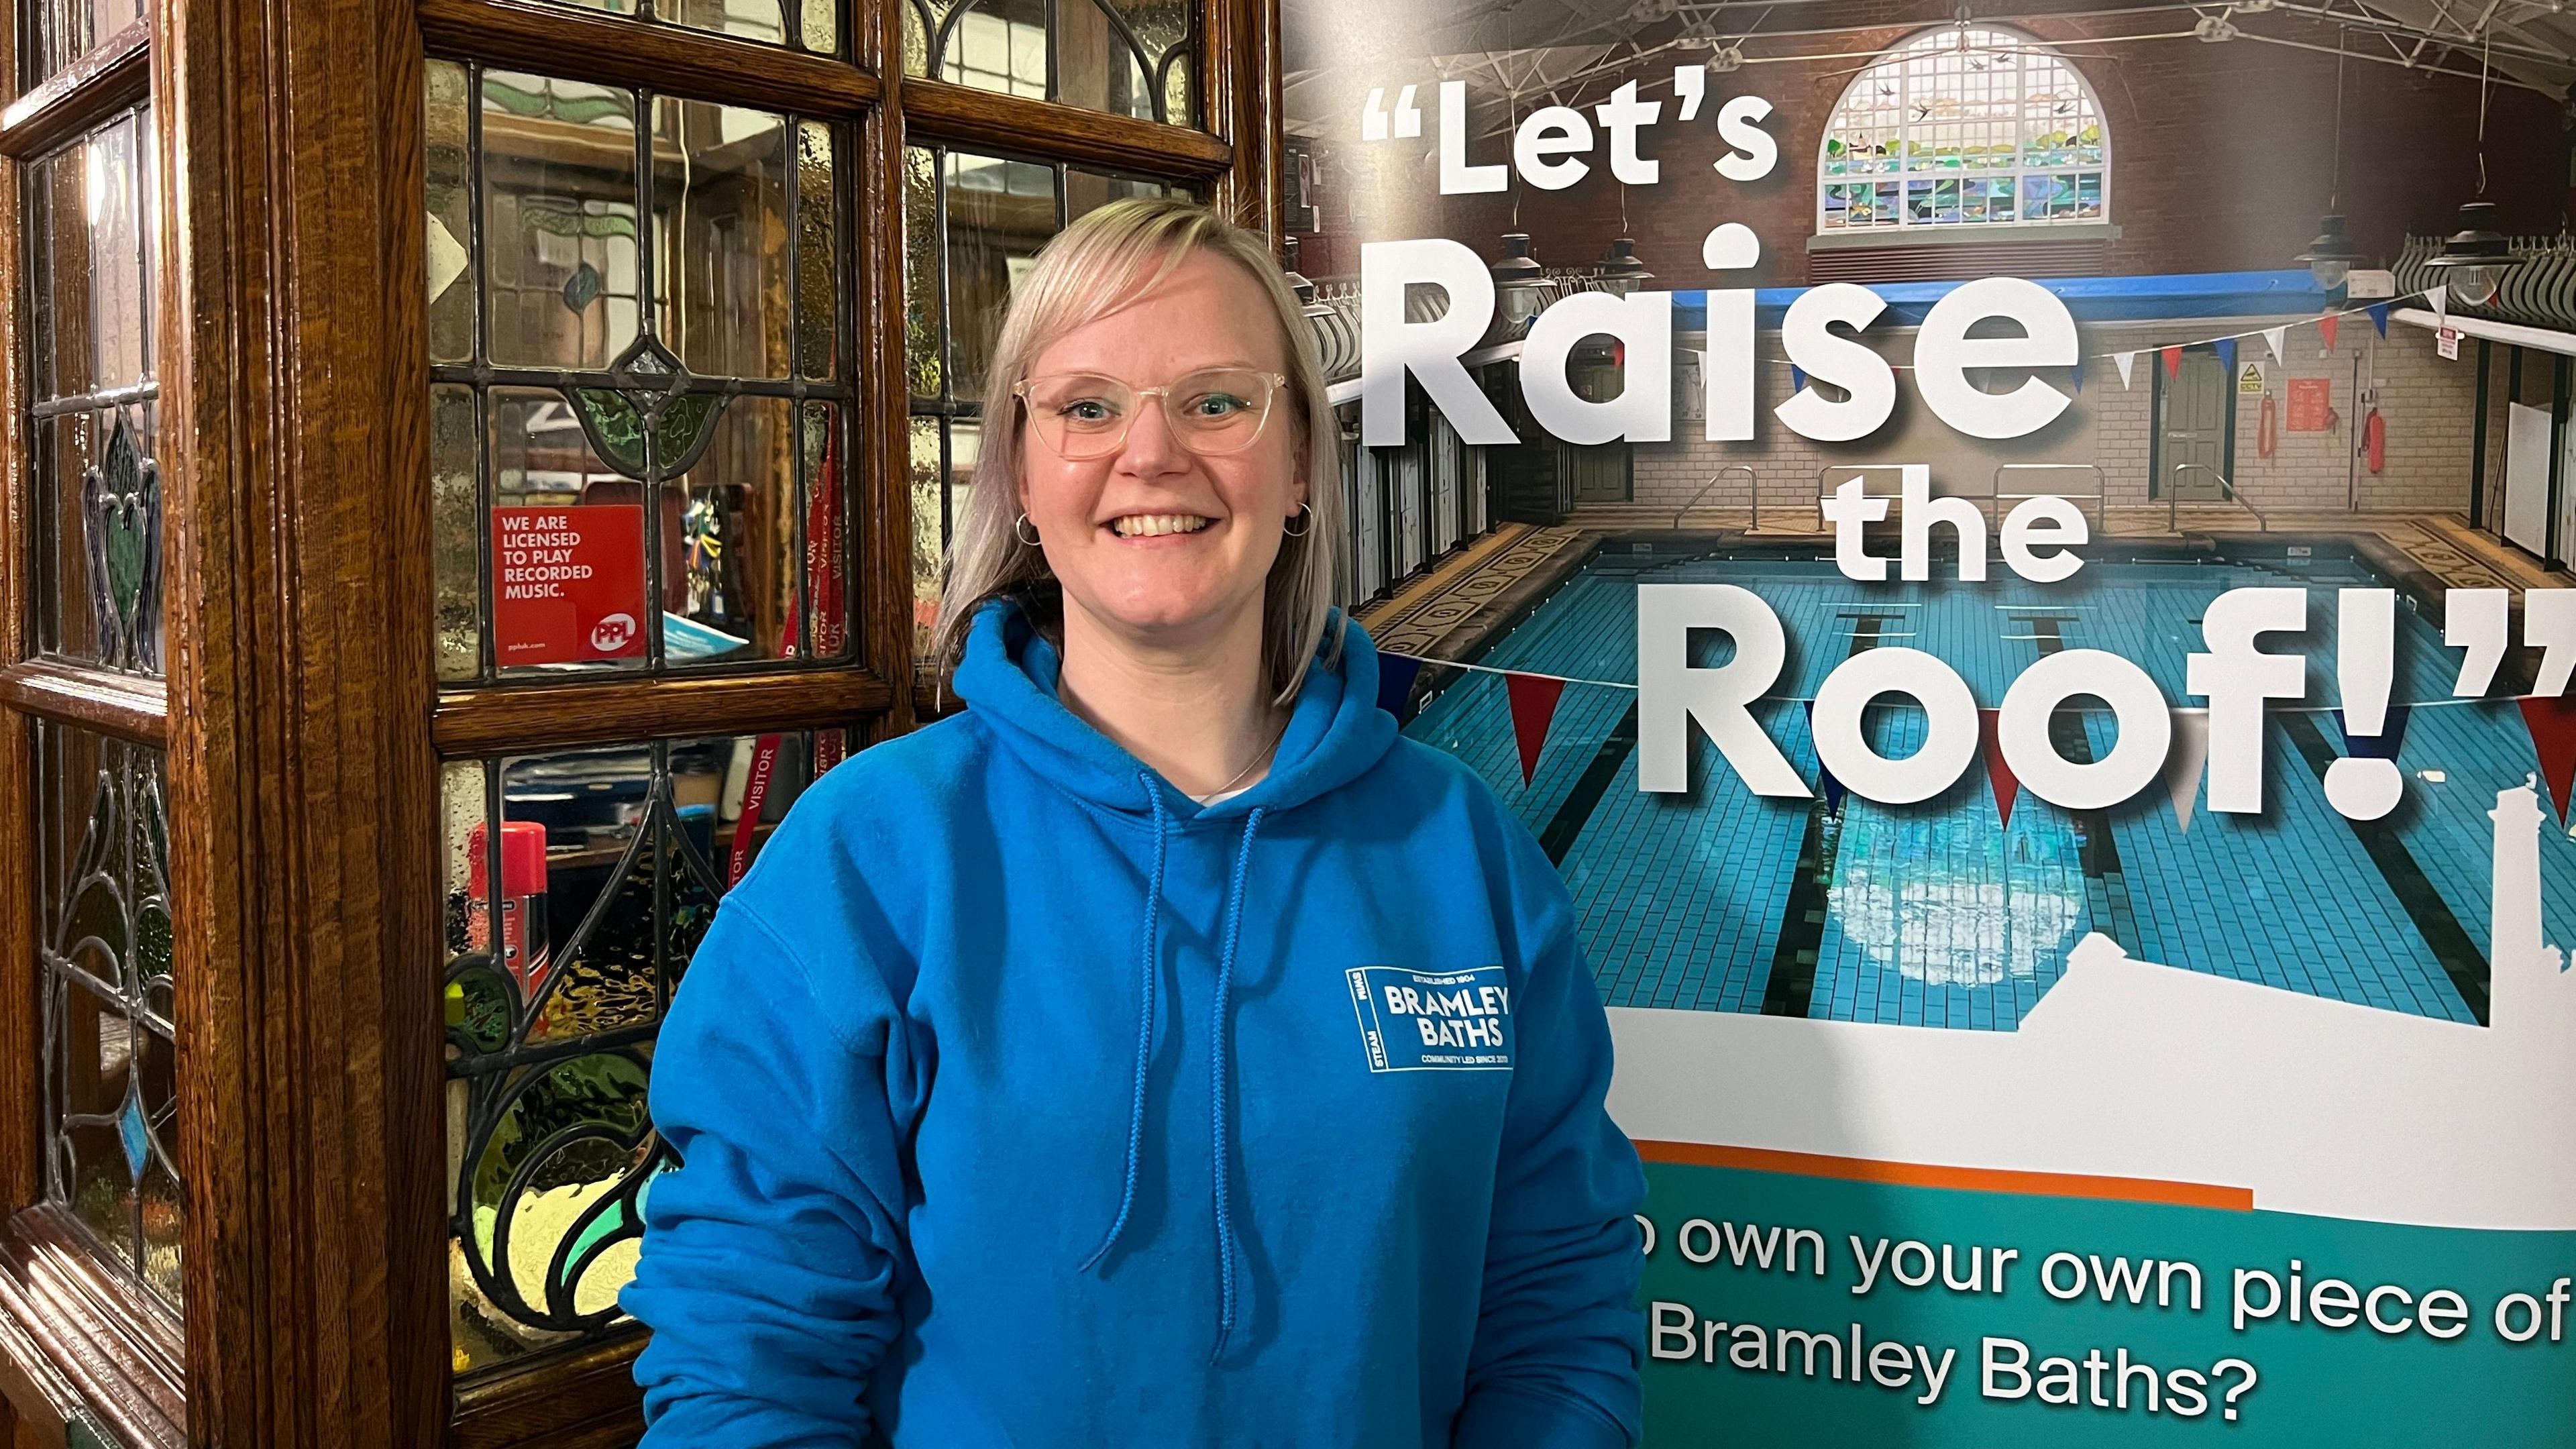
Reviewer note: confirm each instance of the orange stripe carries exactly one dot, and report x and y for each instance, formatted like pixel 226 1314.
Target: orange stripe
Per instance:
pixel 1970 1179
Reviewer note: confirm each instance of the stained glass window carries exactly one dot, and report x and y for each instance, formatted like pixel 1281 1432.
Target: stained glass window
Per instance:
pixel 973 225
pixel 639 380
pixel 97 490
pixel 1964 127
pixel 809 25
pixel 1133 59
pixel 578 885
pixel 110 1099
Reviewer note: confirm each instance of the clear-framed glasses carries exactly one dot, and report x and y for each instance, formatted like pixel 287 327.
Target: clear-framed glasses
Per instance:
pixel 1085 415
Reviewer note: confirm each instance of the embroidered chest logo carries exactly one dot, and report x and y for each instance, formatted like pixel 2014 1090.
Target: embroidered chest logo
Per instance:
pixel 1420 1020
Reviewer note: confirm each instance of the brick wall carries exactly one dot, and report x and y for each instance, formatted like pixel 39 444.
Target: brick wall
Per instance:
pixel 2427 404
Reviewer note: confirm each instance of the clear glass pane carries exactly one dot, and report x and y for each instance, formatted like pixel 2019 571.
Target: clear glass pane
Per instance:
pixel 760 20
pixel 89 213
pixel 59 32
pixel 730 537
pixel 104 955
pixel 720 213
pixel 999 213
pixel 445 119
pixel 563 268
pixel 1088 191
pixel 569 923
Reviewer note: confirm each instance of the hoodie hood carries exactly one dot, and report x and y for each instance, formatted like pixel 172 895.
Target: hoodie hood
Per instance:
pixel 1335 730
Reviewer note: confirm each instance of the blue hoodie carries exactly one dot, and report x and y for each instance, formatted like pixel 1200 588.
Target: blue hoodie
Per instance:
pixel 1021 1100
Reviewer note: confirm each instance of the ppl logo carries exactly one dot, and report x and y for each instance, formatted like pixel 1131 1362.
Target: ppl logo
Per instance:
pixel 1423 1020
pixel 613 633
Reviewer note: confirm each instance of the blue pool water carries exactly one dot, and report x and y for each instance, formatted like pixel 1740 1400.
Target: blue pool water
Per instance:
pixel 1940 914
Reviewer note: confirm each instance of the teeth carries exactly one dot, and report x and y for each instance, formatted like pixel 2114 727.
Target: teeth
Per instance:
pixel 1150 525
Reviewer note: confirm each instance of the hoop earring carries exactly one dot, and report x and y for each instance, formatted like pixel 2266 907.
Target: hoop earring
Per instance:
pixel 1301 532
pixel 1019 523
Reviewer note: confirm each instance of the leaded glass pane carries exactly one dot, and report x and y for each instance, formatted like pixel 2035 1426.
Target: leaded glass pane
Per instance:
pixel 1129 59
pixel 578 886
pixel 96 515
pixel 807 25
pixel 1972 118
pixel 620 481
pixel 104 946
pixel 973 225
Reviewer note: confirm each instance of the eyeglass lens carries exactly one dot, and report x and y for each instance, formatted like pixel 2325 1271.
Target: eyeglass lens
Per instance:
pixel 1087 415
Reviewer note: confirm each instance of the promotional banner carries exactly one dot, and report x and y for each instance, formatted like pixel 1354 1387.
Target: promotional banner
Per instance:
pixel 2013 562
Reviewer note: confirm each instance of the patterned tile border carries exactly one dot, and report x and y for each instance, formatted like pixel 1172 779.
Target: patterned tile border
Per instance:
pixel 1424 613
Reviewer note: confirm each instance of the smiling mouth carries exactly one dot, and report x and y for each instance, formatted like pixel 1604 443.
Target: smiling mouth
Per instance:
pixel 1155 525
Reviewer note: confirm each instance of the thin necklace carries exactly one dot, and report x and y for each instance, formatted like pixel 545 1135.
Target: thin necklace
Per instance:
pixel 1256 759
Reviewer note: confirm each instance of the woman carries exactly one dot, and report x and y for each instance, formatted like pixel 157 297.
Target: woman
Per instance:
pixel 1162 1051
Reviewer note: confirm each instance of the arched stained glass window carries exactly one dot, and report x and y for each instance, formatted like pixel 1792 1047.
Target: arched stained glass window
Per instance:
pixel 1964 127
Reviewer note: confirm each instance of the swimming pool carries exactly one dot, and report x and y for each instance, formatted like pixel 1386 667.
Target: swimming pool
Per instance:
pixel 1943 915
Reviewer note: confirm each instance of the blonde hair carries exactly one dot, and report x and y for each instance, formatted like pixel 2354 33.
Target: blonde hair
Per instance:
pixel 1106 260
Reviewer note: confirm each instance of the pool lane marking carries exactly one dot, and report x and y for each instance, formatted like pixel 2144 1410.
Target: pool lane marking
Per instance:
pixel 2451 945
pixel 2097 853
pixel 1790 987
pixel 1964 1179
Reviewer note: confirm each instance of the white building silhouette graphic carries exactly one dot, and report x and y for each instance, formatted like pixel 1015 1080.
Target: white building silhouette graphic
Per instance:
pixel 2132 1070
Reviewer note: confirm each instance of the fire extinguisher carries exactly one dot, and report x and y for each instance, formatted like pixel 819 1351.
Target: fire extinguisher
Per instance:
pixel 2267 433
pixel 2374 439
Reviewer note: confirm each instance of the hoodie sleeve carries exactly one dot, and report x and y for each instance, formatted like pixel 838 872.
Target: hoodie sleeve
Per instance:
pixel 1559 1337
pixel 772 1251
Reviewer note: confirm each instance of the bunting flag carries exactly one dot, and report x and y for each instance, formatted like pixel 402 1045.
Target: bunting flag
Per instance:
pixel 1395 676
pixel 2078 374
pixel 2227 355
pixel 1533 700
pixel 2379 317
pixel 2007 785
pixel 1826 784
pixel 1797 379
pixel 2124 361
pixel 2381 746
pixel 2439 299
pixel 2326 327
pixel 2184 767
pixel 2173 360
pixel 2552 723
pixel 2278 339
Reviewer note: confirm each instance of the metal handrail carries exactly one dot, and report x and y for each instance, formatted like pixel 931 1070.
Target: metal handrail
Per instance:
pixel 2173 498
pixel 1752 485
pixel 2101 486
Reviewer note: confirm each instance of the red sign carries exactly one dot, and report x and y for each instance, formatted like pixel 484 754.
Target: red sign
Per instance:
pixel 567 584
pixel 2311 404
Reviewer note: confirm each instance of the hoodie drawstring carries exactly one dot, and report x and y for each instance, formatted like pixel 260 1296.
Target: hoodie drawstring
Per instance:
pixel 1220 1054
pixel 1148 968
